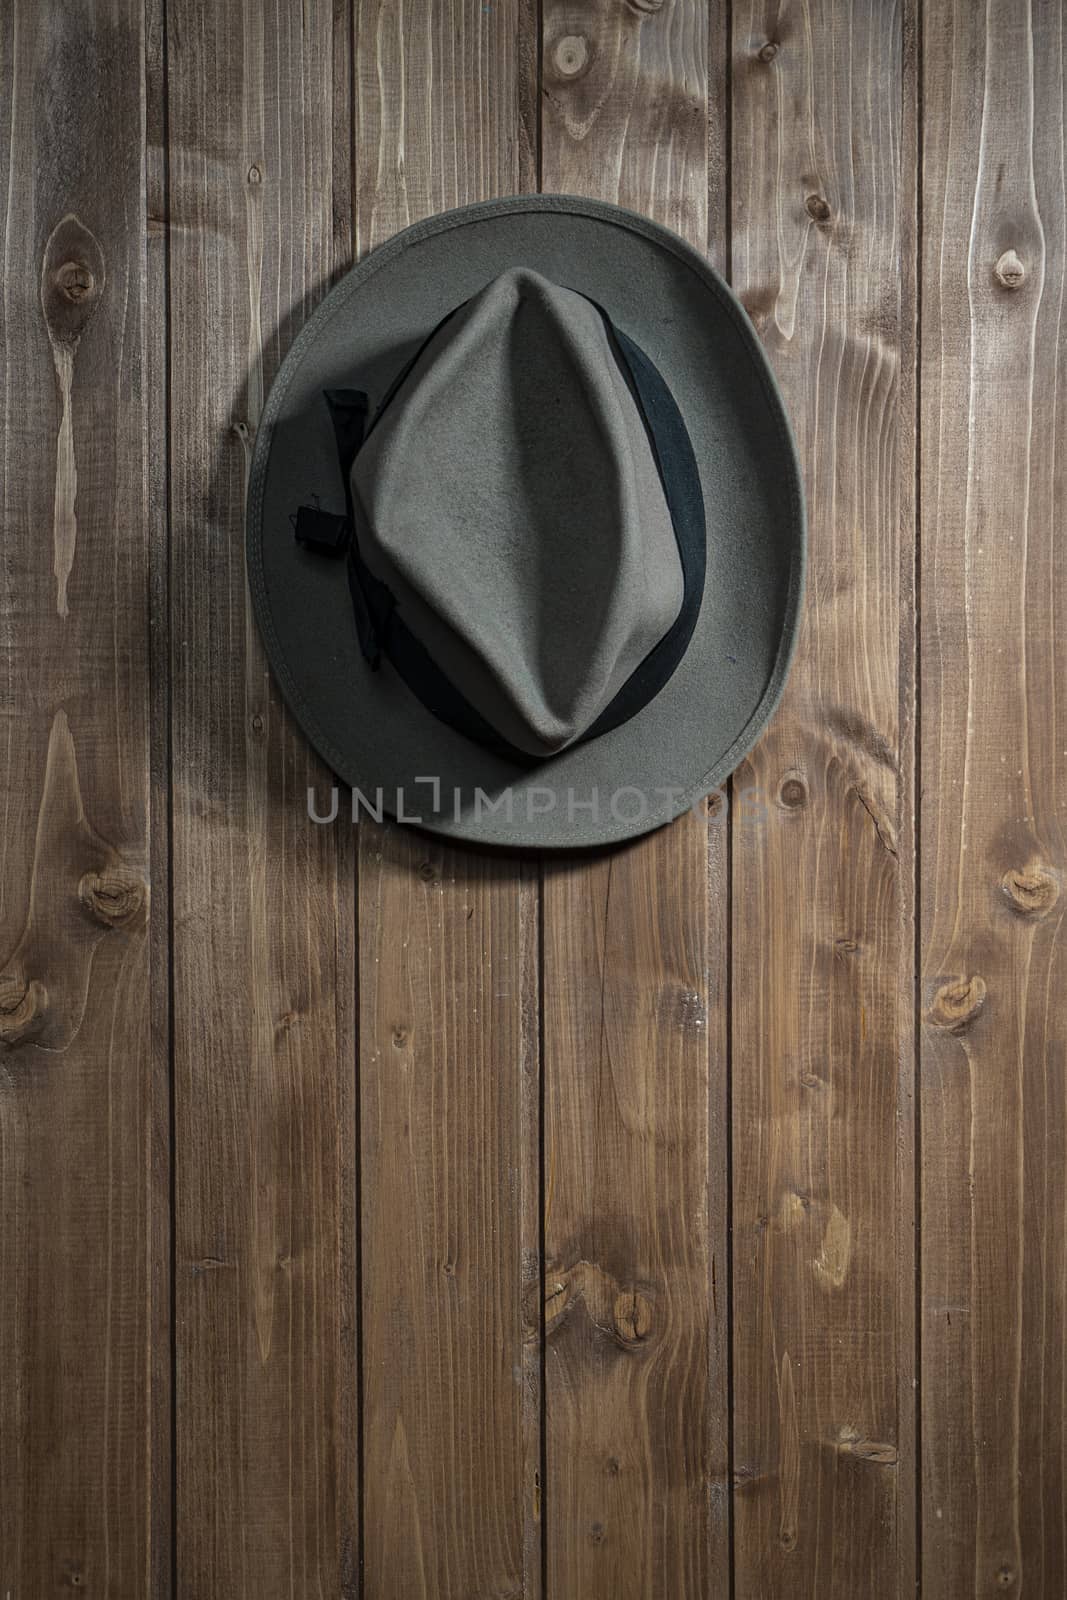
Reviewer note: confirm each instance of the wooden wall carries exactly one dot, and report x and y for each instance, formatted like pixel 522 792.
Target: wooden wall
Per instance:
pixel 382 1219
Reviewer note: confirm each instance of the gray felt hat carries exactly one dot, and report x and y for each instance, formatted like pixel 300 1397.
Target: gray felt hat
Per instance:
pixel 525 526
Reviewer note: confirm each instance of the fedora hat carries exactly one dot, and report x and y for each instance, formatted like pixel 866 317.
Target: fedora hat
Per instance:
pixel 525 526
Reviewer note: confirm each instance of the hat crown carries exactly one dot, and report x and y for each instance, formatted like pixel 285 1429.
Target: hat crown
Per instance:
pixel 509 497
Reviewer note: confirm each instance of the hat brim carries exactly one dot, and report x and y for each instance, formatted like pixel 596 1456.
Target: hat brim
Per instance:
pixel 376 736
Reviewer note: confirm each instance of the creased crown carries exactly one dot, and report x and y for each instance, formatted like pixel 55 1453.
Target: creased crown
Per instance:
pixel 509 497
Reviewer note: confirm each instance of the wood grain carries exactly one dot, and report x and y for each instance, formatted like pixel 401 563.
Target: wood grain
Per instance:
pixel 160 1488
pixel 636 1498
pixel 634 1376
pixel 82 1089
pixel 448 979
pixel 358 1264
pixel 264 1026
pixel 994 832
pixel 823 1273
pixel 449 1085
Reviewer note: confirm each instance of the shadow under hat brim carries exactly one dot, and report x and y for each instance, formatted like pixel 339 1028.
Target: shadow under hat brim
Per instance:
pixel 376 736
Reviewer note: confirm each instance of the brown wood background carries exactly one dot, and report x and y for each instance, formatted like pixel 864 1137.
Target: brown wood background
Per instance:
pixel 380 1219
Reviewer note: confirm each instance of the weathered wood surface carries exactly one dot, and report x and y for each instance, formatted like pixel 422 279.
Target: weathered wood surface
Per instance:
pixel 449 1191
pixel 636 1474
pixel 821 1301
pixel 452 1144
pixel 448 1058
pixel 264 976
pixel 81 1087
pixel 994 820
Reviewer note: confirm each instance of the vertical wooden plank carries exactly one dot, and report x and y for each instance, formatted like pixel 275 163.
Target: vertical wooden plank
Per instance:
pixel 908 1238
pixel 157 421
pixel 634 1379
pixel 449 1182
pixel 81 1086
pixel 634 1061
pixel 263 898
pixel 994 821
pixel 823 1272
pixel 448 979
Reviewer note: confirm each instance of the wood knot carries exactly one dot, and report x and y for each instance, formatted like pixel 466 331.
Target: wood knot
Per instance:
pixel 1005 1577
pixel 831 1264
pixel 571 56
pixel 768 51
pixel 759 306
pixel 23 1008
pixel 632 1317
pixel 957 1004
pixel 114 897
pixel 1009 270
pixel 851 1443
pixel 557 1297
pixel 400 1038
pixel 72 280
pixel 427 872
pixel 645 7
pixel 793 792
pixel 817 208
pixel 1031 892
pixel 75 281
pixel 254 175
